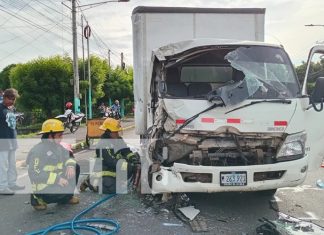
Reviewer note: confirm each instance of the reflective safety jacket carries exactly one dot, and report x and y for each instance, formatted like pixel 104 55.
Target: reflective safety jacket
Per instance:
pixel 110 151
pixel 47 162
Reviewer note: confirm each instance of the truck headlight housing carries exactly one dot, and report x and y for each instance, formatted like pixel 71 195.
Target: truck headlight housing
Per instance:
pixel 292 148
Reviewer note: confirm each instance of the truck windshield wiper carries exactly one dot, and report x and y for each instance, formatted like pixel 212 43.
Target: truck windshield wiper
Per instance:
pixel 194 117
pixel 281 101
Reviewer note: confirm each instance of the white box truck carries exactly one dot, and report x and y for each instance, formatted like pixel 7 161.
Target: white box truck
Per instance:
pixel 218 109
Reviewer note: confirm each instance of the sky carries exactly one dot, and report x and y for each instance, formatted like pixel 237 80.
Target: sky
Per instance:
pixel 30 29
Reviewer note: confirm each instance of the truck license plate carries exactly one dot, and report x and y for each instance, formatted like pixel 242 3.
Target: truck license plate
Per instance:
pixel 236 178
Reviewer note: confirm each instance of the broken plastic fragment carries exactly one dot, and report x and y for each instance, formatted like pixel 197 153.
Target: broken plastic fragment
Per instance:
pixel 190 212
pixel 172 225
pixel 320 183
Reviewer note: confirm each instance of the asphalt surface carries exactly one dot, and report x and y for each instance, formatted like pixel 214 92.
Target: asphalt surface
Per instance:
pixel 223 213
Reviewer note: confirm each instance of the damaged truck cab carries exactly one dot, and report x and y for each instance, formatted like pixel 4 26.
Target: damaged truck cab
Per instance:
pixel 219 115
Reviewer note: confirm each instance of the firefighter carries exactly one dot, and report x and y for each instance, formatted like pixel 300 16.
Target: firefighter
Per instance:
pixel 110 149
pixel 53 174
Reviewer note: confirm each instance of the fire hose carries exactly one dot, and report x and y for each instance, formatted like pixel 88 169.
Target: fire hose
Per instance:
pixel 83 224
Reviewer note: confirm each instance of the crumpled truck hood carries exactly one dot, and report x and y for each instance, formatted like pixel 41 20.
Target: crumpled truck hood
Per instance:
pixel 262 117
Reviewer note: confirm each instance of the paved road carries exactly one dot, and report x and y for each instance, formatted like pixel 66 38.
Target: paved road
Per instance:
pixel 25 144
pixel 225 213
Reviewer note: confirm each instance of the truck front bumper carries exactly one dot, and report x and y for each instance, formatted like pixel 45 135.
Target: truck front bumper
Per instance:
pixel 169 179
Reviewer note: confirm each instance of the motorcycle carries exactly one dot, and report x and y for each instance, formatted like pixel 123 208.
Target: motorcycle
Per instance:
pixel 19 118
pixel 112 114
pixel 71 121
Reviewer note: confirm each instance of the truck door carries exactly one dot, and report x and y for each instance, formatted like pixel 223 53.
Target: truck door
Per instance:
pixel 313 87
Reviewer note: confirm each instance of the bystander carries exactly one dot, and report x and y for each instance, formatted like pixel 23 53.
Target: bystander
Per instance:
pixel 8 143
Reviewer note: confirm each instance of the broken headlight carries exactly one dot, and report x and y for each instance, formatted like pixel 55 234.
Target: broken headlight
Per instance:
pixel 293 147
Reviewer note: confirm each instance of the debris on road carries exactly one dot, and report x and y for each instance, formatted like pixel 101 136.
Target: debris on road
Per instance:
pixel 320 183
pixel 181 207
pixel 287 224
pixel 101 226
pixel 190 212
pixel 267 228
pixel 199 224
pixel 172 225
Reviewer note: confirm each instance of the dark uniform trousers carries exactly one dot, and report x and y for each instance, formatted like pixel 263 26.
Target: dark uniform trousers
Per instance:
pixel 57 193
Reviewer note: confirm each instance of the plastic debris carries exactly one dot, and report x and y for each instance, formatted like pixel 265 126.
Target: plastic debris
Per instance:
pixel 101 226
pixel 172 225
pixel 164 210
pixel 199 224
pixel 267 228
pixel 320 183
pixel 322 165
pixel 288 218
pixel 291 225
pixel 190 212
pixel 304 226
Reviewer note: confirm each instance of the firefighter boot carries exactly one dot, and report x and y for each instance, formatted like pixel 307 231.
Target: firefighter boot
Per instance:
pixel 37 203
pixel 74 200
pixel 83 186
pixel 86 184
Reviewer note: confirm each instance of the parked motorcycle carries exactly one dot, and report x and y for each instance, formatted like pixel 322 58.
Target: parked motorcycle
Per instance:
pixel 71 121
pixel 19 118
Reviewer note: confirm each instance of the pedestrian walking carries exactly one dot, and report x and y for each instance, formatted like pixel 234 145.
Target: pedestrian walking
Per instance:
pixel 8 143
pixel 52 172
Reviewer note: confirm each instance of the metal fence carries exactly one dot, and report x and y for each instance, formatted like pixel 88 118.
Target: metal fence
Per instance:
pixel 29 122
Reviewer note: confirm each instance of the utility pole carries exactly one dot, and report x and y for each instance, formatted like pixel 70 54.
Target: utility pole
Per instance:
pixel 122 64
pixel 109 57
pixel 87 33
pixel 75 61
pixel 85 93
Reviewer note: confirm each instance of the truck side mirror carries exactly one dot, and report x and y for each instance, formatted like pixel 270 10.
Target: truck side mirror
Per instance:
pixel 317 95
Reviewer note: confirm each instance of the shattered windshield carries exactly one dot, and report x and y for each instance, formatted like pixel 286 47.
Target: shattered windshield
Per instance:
pixel 267 74
pixel 234 74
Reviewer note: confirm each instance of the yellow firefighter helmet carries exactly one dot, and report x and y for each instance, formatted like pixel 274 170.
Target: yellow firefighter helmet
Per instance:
pixel 52 125
pixel 111 124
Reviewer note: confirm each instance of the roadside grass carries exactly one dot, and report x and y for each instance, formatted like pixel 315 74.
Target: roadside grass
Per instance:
pixel 27 135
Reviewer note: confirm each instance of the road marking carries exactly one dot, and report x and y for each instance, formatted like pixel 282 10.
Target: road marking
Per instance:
pixel 300 189
pixel 311 217
pixel 276 199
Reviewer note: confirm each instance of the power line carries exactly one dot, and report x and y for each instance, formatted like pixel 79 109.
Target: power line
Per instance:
pixel 18 49
pixel 8 19
pixel 30 14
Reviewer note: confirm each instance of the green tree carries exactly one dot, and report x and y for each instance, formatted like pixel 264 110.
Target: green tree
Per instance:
pixel 316 70
pixel 44 84
pixel 98 70
pixel 4 77
pixel 119 84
